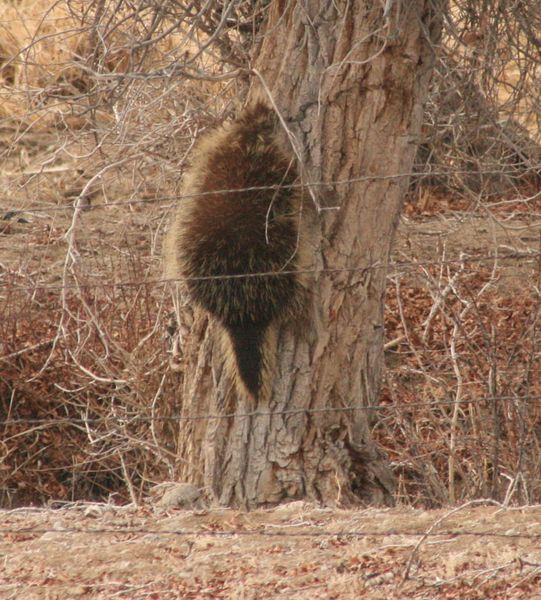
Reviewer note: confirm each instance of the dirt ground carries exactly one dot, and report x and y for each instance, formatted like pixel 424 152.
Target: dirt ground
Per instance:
pixel 294 551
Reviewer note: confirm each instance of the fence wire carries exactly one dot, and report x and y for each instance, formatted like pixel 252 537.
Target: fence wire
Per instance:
pixel 265 533
pixel 394 267
pixel 127 419
pixel 293 186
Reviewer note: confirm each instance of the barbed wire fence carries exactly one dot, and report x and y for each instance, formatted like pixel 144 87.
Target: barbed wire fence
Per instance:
pixel 102 104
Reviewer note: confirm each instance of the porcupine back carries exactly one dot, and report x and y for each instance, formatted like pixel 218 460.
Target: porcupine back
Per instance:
pixel 221 234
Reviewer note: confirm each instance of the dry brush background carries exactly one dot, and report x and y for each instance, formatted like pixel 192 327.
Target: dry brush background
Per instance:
pixel 100 103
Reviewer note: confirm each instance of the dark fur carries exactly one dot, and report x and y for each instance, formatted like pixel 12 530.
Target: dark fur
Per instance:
pixel 242 233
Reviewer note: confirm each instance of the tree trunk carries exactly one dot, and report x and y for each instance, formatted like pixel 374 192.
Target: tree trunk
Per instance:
pixel 350 83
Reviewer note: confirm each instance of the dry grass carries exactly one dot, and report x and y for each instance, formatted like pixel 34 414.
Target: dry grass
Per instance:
pixel 296 551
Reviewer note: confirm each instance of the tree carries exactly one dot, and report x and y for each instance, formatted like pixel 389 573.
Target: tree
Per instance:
pixel 351 80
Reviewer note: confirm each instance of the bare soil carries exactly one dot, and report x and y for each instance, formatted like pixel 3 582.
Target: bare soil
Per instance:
pixel 294 551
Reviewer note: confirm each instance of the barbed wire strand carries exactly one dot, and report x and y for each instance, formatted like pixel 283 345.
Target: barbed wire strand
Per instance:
pixel 332 183
pixel 264 533
pixel 406 266
pixel 127 419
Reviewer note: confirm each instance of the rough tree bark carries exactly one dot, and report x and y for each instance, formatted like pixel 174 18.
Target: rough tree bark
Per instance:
pixel 350 82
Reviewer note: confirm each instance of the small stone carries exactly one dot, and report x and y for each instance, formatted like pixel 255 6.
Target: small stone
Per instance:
pixel 177 495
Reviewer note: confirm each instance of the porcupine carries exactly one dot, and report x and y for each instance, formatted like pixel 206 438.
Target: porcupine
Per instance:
pixel 217 233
